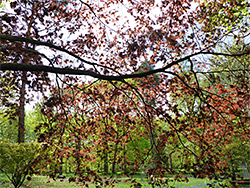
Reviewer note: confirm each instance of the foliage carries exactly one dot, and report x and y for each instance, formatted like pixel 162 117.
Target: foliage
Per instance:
pixel 232 73
pixel 9 127
pixel 110 134
pixel 121 69
pixel 8 130
pixel 239 153
pixel 33 119
pixel 16 160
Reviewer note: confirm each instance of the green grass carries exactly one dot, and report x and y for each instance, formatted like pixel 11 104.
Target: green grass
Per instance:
pixel 45 182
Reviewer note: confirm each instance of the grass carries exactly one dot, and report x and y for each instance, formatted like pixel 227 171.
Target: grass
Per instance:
pixel 45 182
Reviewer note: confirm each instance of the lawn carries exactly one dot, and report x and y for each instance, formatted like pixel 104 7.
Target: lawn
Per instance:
pixel 44 182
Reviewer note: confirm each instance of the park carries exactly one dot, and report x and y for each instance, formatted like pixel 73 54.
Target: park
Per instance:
pixel 125 93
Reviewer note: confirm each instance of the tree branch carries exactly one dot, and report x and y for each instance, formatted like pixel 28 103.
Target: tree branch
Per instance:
pixel 119 77
pixel 10 38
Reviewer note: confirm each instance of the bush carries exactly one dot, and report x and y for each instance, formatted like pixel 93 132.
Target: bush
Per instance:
pixel 16 160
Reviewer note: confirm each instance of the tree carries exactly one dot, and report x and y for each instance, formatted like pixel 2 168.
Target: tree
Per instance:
pixel 18 81
pixel 7 128
pixel 17 160
pixel 232 73
pixel 92 40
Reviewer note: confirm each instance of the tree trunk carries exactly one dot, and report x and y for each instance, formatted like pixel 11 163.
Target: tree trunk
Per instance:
pixel 114 160
pixel 170 162
pixel 21 126
pixel 106 164
pixel 153 147
pixel 106 148
pixel 78 159
pixel 61 166
pixel 125 170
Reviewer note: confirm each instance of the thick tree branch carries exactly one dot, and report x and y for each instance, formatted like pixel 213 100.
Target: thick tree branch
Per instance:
pixel 119 77
pixel 44 68
pixel 50 45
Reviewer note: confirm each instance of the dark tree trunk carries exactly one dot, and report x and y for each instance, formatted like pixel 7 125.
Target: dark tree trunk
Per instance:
pixel 153 147
pixel 170 161
pixel 21 126
pixel 61 167
pixel 125 170
pixel 106 164
pixel 78 148
pixel 115 155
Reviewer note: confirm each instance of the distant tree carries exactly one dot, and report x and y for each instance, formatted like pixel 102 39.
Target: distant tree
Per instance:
pixel 8 130
pixel 19 81
pixel 233 74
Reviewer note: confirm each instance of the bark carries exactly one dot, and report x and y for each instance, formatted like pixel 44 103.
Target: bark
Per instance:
pixel 61 167
pixel 171 161
pixel 114 160
pixel 78 159
pixel 116 77
pixel 21 125
pixel 106 163
pixel 125 170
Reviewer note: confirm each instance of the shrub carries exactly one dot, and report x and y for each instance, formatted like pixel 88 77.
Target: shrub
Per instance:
pixel 16 160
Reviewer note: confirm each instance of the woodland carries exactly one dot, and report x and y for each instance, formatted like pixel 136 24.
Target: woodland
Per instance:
pixel 125 87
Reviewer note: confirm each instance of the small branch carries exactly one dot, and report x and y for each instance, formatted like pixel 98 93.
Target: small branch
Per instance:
pixel 221 71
